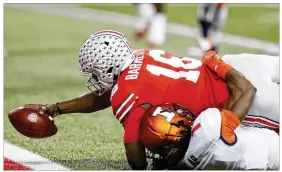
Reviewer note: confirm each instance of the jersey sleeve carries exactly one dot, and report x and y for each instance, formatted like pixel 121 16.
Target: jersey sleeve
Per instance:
pixel 123 100
pixel 131 125
pixel 125 107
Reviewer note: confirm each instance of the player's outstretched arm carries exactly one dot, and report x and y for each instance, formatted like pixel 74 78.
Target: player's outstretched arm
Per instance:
pixel 86 103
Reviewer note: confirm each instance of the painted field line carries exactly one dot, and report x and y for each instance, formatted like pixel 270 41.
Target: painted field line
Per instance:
pixel 70 10
pixel 28 159
pixel 12 165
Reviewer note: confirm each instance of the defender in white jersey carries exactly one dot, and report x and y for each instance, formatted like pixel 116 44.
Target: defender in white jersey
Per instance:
pixel 218 142
pixel 211 148
pixel 263 72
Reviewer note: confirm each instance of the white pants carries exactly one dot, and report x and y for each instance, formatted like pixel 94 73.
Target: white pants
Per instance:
pixel 263 72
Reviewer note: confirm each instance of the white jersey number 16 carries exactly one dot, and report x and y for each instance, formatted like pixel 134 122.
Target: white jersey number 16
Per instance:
pixel 186 63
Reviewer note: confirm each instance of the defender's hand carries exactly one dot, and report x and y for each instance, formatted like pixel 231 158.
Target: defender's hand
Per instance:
pixel 50 110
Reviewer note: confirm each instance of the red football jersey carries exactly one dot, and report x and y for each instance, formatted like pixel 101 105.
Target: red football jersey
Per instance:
pixel 158 77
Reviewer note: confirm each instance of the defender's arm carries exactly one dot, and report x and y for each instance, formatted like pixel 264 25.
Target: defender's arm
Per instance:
pixel 237 83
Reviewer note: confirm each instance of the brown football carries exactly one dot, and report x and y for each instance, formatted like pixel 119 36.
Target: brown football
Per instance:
pixel 29 122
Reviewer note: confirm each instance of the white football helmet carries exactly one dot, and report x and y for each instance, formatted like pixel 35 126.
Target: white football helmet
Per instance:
pixel 103 56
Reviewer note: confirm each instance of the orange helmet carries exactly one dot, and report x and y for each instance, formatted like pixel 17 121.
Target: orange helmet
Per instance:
pixel 165 127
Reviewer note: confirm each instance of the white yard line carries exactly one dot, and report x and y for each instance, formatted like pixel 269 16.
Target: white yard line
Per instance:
pixel 29 159
pixel 73 11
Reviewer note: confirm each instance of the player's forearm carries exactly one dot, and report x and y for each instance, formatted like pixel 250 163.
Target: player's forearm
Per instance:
pixel 238 85
pixel 86 103
pixel 241 107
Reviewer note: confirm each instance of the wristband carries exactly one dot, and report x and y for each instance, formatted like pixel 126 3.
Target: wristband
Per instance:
pixel 215 64
pixel 58 108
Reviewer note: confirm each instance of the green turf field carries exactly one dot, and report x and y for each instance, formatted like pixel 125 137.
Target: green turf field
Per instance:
pixel 42 67
pixel 256 22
